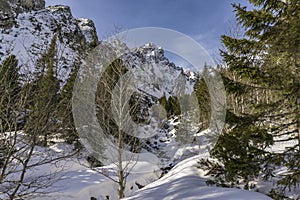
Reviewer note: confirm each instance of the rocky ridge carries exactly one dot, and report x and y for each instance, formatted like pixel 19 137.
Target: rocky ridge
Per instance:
pixel 27 28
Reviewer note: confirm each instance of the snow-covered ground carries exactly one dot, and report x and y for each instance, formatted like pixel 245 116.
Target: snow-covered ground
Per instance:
pixel 76 181
pixel 184 181
pixel 80 182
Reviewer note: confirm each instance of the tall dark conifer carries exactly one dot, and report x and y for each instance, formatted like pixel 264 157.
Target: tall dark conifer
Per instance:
pixel 10 93
pixel 42 120
pixel 203 97
pixel 266 61
pixel 9 105
pixel 65 115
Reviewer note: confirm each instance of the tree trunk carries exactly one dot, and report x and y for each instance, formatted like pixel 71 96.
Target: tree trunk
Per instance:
pixel 120 167
pixel 121 184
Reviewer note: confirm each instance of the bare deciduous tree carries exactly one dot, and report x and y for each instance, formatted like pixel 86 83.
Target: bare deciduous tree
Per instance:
pixel 103 103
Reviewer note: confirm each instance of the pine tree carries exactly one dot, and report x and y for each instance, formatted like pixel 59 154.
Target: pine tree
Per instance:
pixel 203 97
pixel 10 94
pixel 42 119
pixel 65 115
pixel 171 105
pixel 9 90
pixel 266 62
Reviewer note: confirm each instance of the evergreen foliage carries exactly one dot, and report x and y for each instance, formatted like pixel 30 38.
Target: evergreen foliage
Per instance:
pixel 203 97
pixel 10 93
pixel 65 116
pixel 171 105
pixel 42 119
pixel 262 75
pixel 10 116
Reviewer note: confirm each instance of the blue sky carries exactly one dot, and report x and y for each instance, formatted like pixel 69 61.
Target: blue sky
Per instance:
pixel 203 20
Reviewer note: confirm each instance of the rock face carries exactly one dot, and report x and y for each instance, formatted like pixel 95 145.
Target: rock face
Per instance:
pixel 27 28
pixel 10 9
pixel 33 4
pixel 151 61
pixel 6 15
pixel 87 27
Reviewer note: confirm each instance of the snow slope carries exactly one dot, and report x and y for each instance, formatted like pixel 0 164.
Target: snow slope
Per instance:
pixel 79 182
pixel 184 182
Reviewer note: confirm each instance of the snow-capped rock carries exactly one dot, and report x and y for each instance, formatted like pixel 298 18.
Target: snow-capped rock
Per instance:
pixel 27 28
pixel 151 66
pixel 10 9
pixel 87 27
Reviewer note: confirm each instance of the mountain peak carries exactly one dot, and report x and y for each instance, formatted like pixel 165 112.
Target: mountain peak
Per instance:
pixel 87 27
pixel 28 27
pixel 153 52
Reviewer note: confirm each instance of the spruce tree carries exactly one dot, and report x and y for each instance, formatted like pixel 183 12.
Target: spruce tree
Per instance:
pixel 9 105
pixel 266 62
pixel 171 105
pixel 9 90
pixel 202 94
pixel 42 119
pixel 65 116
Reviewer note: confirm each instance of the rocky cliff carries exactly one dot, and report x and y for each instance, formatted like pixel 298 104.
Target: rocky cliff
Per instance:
pixel 27 28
